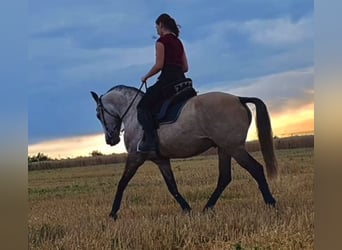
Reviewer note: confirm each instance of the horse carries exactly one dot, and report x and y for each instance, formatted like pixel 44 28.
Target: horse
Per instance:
pixel 213 119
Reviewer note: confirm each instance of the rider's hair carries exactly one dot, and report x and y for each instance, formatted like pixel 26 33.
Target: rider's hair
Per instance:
pixel 169 23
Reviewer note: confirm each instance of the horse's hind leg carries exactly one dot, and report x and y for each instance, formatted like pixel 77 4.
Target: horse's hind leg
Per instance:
pixel 223 180
pixel 256 170
pixel 165 168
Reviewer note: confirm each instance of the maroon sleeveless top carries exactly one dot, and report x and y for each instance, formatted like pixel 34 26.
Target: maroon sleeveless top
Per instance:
pixel 173 50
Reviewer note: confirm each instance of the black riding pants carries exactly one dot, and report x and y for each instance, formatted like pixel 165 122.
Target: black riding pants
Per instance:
pixel 155 95
pixel 145 107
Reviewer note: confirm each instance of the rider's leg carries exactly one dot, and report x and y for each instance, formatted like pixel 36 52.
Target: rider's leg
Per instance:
pixel 146 119
pixel 149 142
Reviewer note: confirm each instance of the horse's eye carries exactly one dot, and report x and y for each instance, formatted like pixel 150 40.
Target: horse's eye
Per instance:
pixel 98 116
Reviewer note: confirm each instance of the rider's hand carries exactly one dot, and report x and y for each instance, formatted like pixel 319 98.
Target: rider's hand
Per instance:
pixel 144 79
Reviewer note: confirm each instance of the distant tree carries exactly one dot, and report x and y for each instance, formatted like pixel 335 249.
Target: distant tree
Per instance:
pixel 96 153
pixel 39 157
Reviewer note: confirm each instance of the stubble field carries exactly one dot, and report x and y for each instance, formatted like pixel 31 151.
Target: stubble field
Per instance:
pixel 69 207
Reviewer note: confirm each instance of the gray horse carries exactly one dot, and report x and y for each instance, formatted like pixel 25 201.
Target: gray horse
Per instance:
pixel 208 120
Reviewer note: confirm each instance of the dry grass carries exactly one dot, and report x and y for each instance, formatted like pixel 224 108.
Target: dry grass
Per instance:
pixel 69 208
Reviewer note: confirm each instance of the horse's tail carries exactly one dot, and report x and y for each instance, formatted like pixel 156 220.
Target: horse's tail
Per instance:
pixel 265 136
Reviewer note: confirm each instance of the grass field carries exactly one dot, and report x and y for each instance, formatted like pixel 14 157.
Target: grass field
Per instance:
pixel 69 207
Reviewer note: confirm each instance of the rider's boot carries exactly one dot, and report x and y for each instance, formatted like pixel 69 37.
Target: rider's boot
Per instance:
pixel 148 144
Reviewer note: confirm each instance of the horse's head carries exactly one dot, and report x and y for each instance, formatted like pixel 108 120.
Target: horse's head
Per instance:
pixel 110 120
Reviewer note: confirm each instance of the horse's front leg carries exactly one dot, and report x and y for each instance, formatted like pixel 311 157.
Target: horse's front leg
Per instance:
pixel 165 168
pixel 133 162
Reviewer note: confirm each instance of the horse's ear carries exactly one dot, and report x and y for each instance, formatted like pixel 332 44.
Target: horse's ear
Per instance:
pixel 95 96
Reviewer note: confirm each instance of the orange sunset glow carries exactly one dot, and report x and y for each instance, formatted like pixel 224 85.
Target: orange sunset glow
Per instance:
pixel 289 123
pixel 75 146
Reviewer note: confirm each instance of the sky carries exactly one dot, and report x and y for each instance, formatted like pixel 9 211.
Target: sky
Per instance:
pixel 244 47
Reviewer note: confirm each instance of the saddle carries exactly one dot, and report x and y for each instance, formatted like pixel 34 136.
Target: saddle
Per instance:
pixel 176 95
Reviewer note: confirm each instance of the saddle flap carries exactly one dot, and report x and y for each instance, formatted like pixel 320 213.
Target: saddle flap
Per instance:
pixel 172 106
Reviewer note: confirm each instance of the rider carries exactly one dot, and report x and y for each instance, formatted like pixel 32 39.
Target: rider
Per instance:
pixel 171 60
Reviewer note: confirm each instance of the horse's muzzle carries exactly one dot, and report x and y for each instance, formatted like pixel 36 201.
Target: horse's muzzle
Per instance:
pixel 112 141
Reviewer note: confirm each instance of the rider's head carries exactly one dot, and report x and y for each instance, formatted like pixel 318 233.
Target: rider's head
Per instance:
pixel 165 23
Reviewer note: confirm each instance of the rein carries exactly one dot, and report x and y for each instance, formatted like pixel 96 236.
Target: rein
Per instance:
pixel 125 113
pixel 130 105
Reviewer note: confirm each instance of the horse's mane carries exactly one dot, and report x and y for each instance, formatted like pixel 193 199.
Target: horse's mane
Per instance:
pixel 124 87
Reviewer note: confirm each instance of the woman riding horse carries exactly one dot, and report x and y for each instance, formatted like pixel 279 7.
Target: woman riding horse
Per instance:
pixel 171 60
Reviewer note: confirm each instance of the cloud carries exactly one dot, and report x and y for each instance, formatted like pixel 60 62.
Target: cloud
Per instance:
pixel 75 146
pixel 268 31
pixel 230 49
pixel 77 66
pixel 294 121
pixel 109 61
pixel 279 31
pixel 281 91
pixel 93 25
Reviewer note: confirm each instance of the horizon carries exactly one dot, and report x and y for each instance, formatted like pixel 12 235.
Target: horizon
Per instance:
pixel 104 149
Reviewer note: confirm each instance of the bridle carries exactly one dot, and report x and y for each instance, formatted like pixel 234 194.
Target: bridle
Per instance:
pixel 118 118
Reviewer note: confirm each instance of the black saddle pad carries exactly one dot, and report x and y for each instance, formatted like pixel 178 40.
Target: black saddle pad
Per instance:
pixel 172 114
pixel 172 107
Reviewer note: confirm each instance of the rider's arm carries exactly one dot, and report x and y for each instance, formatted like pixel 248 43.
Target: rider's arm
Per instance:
pixel 158 64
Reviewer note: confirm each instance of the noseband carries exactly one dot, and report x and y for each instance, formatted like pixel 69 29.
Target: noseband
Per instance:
pixel 102 110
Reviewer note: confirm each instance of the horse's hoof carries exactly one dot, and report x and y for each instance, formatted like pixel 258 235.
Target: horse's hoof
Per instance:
pixel 272 202
pixel 209 211
pixel 187 211
pixel 114 216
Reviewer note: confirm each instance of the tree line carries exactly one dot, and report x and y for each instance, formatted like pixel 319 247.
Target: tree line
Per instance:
pixel 43 157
